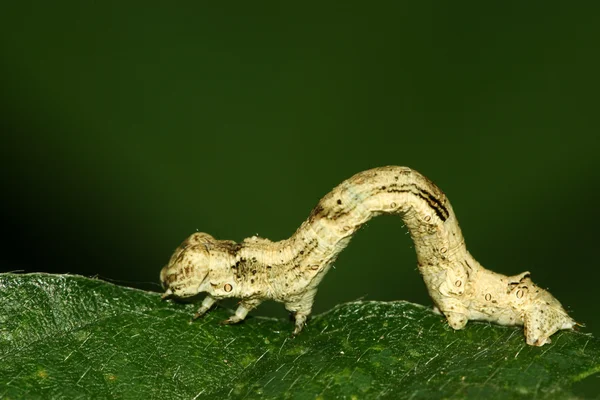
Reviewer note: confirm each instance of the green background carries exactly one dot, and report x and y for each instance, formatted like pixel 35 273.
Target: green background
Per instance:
pixel 126 127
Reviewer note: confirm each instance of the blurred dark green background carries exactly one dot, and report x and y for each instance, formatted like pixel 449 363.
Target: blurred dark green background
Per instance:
pixel 126 127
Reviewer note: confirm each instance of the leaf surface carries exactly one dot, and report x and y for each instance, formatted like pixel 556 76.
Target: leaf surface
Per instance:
pixel 67 336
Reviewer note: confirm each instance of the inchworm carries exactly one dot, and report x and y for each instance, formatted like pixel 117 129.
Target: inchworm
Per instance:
pixel 289 271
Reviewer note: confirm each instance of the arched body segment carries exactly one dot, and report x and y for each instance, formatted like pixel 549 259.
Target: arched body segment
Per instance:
pixel 289 271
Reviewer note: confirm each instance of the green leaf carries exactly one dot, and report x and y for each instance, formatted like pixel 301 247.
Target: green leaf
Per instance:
pixel 68 336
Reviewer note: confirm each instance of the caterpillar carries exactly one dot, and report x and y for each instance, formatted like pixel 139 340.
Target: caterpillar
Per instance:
pixel 289 271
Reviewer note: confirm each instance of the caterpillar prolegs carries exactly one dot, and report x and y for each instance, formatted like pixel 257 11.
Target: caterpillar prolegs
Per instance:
pixel 289 271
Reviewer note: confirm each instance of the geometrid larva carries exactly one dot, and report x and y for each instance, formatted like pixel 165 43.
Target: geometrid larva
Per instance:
pixel 290 270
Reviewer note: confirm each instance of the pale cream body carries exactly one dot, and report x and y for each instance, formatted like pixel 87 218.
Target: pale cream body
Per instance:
pixel 290 270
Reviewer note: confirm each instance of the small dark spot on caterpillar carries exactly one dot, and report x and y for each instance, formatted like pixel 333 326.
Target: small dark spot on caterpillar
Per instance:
pixel 234 248
pixel 443 250
pixel 254 259
pixel 251 280
pixel 547 303
pixel 427 218
pixel 339 201
pixel 494 301
pixel 301 251
pixel 228 287
pixel 269 267
pixel 286 285
pixel 314 267
pixel 396 178
pixel 488 297
pixel 253 272
pixel 383 187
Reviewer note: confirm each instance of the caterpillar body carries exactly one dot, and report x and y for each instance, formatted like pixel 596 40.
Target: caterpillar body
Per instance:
pixel 289 271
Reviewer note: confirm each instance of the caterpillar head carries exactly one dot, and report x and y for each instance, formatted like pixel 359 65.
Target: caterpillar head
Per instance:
pixel 188 267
